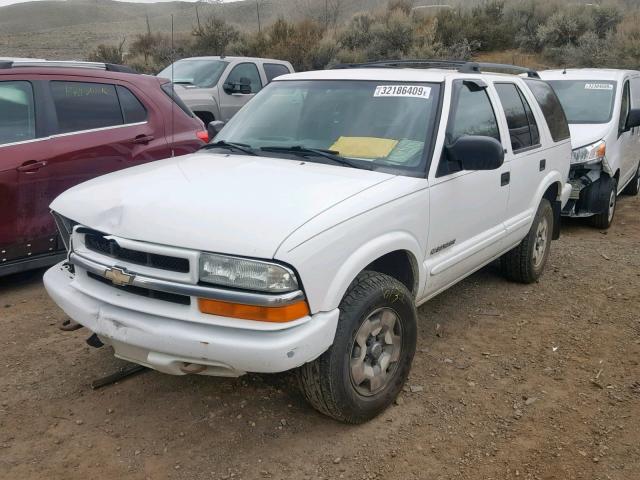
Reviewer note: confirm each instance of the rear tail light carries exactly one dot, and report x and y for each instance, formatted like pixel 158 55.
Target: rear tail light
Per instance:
pixel 203 135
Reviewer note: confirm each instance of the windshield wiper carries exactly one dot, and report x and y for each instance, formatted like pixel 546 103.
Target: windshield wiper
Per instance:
pixel 320 152
pixel 241 147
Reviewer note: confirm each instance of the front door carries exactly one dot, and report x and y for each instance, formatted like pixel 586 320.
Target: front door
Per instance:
pixel 467 208
pixel 232 96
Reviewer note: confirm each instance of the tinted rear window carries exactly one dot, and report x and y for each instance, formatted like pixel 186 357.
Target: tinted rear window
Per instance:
pixel 274 70
pixel 85 106
pixel 551 109
pixel 133 110
pixel 171 93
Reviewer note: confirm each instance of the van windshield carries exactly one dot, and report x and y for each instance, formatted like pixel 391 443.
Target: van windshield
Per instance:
pixel 586 101
pixel 374 125
pixel 199 72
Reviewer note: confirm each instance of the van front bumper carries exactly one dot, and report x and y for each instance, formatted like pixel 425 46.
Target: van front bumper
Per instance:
pixel 181 347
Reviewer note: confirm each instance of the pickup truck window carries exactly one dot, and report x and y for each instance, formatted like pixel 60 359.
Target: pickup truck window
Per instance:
pixel 375 124
pixel 523 129
pixel 274 70
pixel 471 114
pixel 17 122
pixel 85 106
pixel 202 73
pixel 246 71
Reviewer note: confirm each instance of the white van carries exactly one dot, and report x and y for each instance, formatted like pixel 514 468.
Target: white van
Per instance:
pixel 603 111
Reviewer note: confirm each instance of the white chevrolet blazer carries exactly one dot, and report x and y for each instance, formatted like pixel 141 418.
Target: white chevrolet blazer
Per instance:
pixel 305 236
pixel 603 111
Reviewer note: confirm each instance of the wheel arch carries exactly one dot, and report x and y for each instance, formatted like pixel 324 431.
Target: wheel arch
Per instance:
pixel 395 254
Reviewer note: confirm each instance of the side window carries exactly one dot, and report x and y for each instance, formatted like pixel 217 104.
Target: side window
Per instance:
pixel 133 110
pixel 635 92
pixel 17 121
pixel 471 114
pixel 624 108
pixel 551 109
pixel 247 72
pixel 85 106
pixel 521 123
pixel 273 70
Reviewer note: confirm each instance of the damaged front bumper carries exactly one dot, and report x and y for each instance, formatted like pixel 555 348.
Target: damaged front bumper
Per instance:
pixel 181 347
pixel 590 192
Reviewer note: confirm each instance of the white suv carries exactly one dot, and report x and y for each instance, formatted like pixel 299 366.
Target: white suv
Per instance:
pixel 603 110
pixel 305 237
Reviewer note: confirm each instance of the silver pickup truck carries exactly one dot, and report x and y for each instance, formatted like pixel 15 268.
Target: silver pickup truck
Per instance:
pixel 215 88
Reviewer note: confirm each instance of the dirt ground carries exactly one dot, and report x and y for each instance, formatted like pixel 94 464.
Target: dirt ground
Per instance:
pixel 509 382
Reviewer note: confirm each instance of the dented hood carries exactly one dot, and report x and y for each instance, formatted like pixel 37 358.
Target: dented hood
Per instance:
pixel 232 204
pixel 583 134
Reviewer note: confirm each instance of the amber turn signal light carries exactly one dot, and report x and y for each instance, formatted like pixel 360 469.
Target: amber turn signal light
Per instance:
pixel 286 313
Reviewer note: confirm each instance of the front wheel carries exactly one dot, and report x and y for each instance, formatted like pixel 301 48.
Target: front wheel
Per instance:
pixel 364 370
pixel 526 262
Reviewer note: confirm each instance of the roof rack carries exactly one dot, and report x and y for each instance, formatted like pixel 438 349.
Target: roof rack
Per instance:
pixel 461 66
pixel 109 67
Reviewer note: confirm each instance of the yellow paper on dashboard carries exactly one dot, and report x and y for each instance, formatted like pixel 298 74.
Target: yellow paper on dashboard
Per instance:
pixel 364 147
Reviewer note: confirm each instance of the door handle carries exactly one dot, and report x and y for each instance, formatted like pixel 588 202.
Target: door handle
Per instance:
pixel 143 139
pixel 31 166
pixel 505 178
pixel 543 164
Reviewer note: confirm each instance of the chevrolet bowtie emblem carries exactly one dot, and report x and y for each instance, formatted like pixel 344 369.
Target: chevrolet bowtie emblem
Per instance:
pixel 119 276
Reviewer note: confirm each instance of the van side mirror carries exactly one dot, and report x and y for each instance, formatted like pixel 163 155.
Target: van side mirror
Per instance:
pixel 633 119
pixel 213 128
pixel 474 152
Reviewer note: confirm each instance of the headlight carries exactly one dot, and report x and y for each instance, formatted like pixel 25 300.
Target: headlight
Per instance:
pixel 593 153
pixel 246 274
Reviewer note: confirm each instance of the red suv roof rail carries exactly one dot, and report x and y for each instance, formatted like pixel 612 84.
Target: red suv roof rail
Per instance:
pixel 109 67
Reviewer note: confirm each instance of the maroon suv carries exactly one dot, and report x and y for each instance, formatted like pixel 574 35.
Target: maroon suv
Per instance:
pixel 62 123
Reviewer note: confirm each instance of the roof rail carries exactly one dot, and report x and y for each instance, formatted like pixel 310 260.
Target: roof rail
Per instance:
pixel 109 67
pixel 461 66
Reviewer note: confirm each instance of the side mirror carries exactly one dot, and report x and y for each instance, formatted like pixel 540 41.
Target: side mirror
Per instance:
pixel 473 152
pixel 245 86
pixel 213 128
pixel 633 120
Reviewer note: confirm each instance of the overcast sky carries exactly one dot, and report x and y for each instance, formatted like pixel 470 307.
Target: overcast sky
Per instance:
pixel 9 2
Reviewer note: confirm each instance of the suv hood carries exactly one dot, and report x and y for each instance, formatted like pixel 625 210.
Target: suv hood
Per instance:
pixel 585 134
pixel 239 205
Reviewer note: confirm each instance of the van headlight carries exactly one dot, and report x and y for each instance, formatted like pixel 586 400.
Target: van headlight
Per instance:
pixel 246 274
pixel 593 153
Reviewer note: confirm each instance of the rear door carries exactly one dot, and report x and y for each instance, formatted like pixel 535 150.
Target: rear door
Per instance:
pixel 467 208
pixel 231 99
pixel 529 163
pixel 274 70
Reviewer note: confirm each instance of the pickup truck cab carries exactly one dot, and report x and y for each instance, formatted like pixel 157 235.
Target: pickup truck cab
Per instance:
pixel 215 88
pixel 305 236
pixel 603 110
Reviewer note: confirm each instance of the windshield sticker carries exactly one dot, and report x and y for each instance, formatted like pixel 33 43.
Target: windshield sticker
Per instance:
pixel 598 86
pixel 364 147
pixel 415 91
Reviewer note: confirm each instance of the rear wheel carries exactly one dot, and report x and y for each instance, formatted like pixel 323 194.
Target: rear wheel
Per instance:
pixel 605 219
pixel 365 368
pixel 526 262
pixel 634 186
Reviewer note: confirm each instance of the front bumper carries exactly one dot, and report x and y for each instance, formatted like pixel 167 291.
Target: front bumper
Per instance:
pixel 179 347
pixel 590 192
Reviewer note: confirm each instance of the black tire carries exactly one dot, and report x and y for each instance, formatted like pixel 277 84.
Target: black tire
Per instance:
pixel 605 219
pixel 634 186
pixel 327 382
pixel 526 262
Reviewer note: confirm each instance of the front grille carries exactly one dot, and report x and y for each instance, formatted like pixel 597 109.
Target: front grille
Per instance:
pixel 97 243
pixel 145 292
